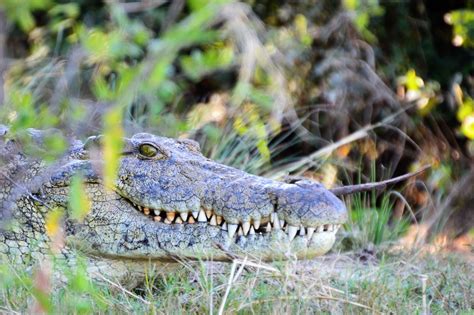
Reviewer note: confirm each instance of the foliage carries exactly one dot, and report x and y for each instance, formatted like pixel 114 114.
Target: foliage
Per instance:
pixel 364 11
pixel 290 89
pixel 22 12
pixel 140 72
pixel 463 30
pixel 371 222
pixel 338 284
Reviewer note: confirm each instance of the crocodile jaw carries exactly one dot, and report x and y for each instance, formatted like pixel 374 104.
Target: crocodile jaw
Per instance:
pixel 122 231
pixel 181 204
pixel 212 244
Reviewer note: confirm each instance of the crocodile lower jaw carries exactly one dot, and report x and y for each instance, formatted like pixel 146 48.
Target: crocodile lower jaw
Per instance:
pixel 259 228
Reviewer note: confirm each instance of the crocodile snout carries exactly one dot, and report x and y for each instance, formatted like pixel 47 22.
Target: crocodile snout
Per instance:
pixel 309 204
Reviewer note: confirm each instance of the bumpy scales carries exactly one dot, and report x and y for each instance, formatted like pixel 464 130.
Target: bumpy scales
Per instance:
pixel 168 202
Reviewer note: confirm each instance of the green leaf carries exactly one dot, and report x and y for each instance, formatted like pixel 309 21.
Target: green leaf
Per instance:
pixel 201 63
pixel 25 20
pixel 412 81
pixel 301 26
pixel 79 203
pixel 53 222
pixel 465 109
pixel 69 10
pixel 113 143
pixel 467 127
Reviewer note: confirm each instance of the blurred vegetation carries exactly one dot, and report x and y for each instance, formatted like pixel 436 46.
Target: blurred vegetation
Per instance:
pixel 263 87
pixel 326 89
pixel 393 284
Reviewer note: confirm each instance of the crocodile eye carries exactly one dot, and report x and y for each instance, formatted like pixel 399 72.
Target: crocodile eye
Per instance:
pixel 148 150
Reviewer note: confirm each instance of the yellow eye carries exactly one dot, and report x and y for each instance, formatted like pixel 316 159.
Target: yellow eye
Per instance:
pixel 148 150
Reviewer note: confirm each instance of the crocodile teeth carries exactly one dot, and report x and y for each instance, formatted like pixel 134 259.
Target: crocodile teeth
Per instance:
pixel 276 224
pixel 246 227
pixel 256 224
pixel 219 219
pixel 184 216
pixel 252 231
pixel 202 216
pixel 213 220
pixel 268 228
pixel 232 228
pixel 195 214
pixel 178 220
pixel 157 218
pixel 208 213
pixel 310 232
pixel 292 230
pixel 167 221
pixel 146 211
pixel 191 220
pixel 282 223
pixel 319 229
pixel 302 231
pixel 140 207
pixel 239 232
pixel 224 226
pixel 170 216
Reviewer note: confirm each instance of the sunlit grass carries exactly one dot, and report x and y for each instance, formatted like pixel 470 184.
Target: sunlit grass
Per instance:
pixel 372 223
pixel 338 283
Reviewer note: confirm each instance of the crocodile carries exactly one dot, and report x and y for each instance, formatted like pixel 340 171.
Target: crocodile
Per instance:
pixel 168 203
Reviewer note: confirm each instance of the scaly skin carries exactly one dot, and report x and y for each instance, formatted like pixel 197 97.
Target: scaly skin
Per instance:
pixel 168 202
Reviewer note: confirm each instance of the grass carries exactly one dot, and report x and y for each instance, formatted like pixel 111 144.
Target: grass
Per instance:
pixel 389 282
pixel 372 223
pixel 371 278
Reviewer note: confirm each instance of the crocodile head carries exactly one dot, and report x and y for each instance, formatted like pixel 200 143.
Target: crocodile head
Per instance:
pixel 170 201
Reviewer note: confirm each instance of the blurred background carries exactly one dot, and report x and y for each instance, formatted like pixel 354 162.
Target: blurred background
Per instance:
pixel 342 92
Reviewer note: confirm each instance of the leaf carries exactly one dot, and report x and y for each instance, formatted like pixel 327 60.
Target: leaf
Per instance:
pixel 25 20
pixel 465 109
pixel 53 222
pixel 79 203
pixel 201 63
pixel 412 81
pixel 301 26
pixel 113 143
pixel 467 127
pixel 97 43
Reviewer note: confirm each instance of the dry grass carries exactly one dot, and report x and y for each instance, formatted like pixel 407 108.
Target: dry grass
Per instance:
pixel 379 281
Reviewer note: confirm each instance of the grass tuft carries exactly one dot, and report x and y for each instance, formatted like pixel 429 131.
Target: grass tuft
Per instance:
pixel 394 282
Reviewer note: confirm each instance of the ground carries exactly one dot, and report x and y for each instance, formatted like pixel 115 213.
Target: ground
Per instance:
pixel 380 280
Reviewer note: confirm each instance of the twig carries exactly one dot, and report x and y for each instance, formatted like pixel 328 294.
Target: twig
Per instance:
pixel 423 289
pixel 8 311
pixel 351 189
pixel 259 266
pixel 123 289
pixel 134 7
pixel 229 285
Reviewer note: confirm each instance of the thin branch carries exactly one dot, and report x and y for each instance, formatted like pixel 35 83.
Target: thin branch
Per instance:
pixel 123 289
pixel 139 6
pixel 351 189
